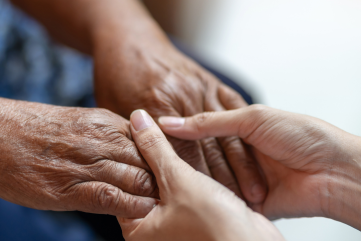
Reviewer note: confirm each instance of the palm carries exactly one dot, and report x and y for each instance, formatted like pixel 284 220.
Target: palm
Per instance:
pixel 294 167
pixel 297 155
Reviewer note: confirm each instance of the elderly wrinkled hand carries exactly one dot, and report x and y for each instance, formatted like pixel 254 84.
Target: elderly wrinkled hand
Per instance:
pixel 136 66
pixel 63 159
pixel 192 206
pixel 159 79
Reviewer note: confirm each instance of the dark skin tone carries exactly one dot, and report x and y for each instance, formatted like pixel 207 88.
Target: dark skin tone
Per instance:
pixel 137 67
pixel 72 159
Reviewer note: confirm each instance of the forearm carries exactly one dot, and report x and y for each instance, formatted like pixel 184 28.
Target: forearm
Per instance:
pixel 7 108
pixel 83 23
pixel 344 194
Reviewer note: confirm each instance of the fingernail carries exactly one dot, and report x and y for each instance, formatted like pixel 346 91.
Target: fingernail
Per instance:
pixel 257 190
pixel 141 120
pixel 172 122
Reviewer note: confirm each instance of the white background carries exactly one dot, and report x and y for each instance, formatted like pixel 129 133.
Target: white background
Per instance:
pixel 302 56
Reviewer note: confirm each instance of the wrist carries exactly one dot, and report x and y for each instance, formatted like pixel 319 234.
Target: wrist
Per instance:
pixel 344 184
pixel 6 107
pixel 6 133
pixel 125 25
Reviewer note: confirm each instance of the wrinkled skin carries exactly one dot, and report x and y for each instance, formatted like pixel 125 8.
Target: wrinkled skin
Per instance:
pixel 164 82
pixel 64 159
pixel 192 206
pixel 310 166
pixel 137 67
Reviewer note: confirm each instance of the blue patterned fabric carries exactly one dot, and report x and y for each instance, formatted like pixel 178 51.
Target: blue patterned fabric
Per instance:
pixel 24 224
pixel 34 68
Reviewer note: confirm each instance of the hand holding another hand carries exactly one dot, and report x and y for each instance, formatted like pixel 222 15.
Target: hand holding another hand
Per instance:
pixel 154 76
pixel 310 166
pixel 192 206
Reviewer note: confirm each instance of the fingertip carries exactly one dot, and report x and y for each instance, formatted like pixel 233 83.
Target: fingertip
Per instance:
pixel 179 127
pixel 140 120
pixel 153 145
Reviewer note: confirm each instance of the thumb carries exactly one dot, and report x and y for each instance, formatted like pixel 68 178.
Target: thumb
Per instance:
pixel 241 122
pixel 167 167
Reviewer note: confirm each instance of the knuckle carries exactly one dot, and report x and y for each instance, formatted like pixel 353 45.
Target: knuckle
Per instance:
pixel 130 155
pixel 231 144
pixel 144 184
pixel 103 111
pixel 201 118
pixel 105 117
pixel 106 197
pixel 129 204
pixel 157 101
pixel 259 109
pixel 216 161
pixel 103 132
pixel 210 144
pixel 103 168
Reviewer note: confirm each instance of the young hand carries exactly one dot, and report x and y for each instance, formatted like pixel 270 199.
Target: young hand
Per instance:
pixel 192 206
pixel 309 165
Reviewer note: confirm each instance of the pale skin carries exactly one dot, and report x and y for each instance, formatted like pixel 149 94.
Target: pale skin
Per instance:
pixel 311 167
pixel 192 206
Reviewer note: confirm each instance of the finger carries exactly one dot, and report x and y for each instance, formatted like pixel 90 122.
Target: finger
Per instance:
pixel 218 166
pixel 245 168
pixel 238 155
pixel 130 179
pixel 189 151
pixel 216 161
pixel 229 123
pixel 207 124
pixel 192 153
pixel 230 99
pixel 126 152
pixel 167 167
pixel 113 141
pixel 103 198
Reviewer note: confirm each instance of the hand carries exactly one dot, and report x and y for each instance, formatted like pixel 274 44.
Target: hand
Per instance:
pixel 64 159
pixel 159 79
pixel 137 67
pixel 192 205
pixel 310 165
